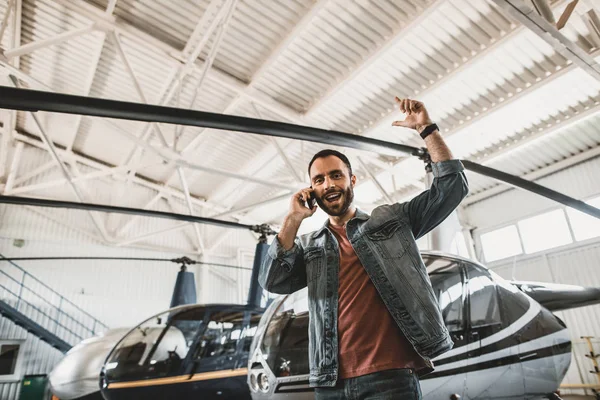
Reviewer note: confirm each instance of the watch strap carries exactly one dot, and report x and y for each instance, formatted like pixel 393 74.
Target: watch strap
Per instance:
pixel 429 129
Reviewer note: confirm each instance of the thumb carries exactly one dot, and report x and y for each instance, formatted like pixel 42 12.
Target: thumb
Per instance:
pixel 404 124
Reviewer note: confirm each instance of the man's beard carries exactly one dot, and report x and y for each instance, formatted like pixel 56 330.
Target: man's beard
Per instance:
pixel 337 210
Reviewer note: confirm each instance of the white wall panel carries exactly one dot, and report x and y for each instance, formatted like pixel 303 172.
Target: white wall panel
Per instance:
pixel 580 181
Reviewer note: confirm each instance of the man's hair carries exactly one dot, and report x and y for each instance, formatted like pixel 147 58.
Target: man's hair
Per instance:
pixel 327 153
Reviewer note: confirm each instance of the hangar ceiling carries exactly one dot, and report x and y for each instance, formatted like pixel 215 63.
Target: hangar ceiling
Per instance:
pixel 504 95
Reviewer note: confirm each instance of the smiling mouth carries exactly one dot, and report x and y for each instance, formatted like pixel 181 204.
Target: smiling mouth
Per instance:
pixel 333 197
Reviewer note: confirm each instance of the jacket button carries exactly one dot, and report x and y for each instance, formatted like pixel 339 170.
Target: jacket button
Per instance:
pixel 329 294
pixel 329 377
pixel 328 333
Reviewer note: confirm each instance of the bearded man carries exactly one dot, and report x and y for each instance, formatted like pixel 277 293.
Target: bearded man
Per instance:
pixel 375 323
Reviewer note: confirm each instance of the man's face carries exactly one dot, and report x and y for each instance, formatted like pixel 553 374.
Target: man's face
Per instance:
pixel 332 185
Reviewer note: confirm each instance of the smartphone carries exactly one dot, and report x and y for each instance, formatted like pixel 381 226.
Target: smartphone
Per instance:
pixel 311 200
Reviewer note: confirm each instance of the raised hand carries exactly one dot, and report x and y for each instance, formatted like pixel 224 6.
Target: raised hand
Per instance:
pixel 417 116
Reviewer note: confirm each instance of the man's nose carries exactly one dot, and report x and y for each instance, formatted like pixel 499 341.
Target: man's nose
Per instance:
pixel 328 183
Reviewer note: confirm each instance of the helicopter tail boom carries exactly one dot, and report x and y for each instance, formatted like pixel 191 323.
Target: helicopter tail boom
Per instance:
pixel 558 297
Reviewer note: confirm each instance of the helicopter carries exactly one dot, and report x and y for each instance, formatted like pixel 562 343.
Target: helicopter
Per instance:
pixel 229 351
pixel 180 368
pixel 508 343
pixel 123 358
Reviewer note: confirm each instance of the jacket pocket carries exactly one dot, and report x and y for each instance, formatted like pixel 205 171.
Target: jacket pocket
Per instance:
pixel 388 239
pixel 313 259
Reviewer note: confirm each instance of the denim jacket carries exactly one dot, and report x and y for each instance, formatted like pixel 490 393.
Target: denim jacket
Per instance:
pixel 385 245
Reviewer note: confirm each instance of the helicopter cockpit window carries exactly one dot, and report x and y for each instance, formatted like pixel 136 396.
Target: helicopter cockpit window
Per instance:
pixel 484 305
pixel 447 285
pixel 250 332
pixel 218 343
pixel 285 341
pixel 155 348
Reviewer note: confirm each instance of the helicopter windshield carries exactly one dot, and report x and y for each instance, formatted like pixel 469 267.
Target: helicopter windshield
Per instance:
pixel 155 348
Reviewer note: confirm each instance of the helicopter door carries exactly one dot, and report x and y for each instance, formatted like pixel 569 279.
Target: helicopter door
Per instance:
pixel 449 375
pixel 243 348
pixel 216 356
pixel 492 374
pixel 217 347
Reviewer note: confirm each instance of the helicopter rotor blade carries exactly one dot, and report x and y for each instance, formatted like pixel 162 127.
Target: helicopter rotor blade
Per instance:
pixel 29 201
pixel 532 187
pixel 33 100
pixel 88 258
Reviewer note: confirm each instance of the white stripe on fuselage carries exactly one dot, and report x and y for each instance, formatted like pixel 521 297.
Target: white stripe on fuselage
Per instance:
pixel 532 312
pixel 538 343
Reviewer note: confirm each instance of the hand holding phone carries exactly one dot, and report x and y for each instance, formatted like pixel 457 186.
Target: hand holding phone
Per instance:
pixel 303 204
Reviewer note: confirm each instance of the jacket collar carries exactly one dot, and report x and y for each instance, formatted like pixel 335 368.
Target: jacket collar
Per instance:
pixel 360 215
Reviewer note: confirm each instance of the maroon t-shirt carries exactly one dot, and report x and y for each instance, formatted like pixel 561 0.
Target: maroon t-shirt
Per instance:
pixel 369 339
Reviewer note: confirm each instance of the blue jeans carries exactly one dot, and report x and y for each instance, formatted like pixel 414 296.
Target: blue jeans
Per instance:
pixel 393 384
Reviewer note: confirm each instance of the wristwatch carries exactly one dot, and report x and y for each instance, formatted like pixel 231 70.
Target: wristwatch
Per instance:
pixel 428 130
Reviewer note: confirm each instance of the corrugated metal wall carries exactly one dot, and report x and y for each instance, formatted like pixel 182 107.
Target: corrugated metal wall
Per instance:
pixel 580 181
pixel 577 265
pixel 38 356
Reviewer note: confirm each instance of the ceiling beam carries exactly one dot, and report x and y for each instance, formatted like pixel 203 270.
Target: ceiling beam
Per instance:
pixel 147 235
pixel 375 181
pixel 544 9
pixel 260 73
pixel 51 41
pixel 5 19
pixel 50 147
pixel 12 172
pixel 188 200
pixel 87 89
pixel 34 172
pixel 137 245
pixel 136 83
pixel 225 20
pixel 36 142
pixel 134 218
pixel 112 23
pixel 161 189
pixel 529 17
pixel 88 83
pixel 106 171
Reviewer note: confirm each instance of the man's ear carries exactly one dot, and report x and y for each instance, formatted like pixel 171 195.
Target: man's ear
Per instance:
pixel 353 180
